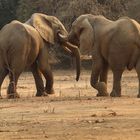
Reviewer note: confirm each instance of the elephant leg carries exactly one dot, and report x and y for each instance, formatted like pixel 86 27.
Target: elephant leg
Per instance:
pixel 11 91
pixel 103 74
pixel 138 73
pixel 117 75
pixel 3 73
pixel 17 65
pixel 38 80
pixel 45 69
pixel 49 80
pixel 103 78
pixel 97 69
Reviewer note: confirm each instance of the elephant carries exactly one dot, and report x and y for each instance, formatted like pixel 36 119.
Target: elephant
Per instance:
pixel 113 44
pixel 24 45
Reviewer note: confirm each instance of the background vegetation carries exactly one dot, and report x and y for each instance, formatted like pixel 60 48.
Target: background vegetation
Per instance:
pixel 67 10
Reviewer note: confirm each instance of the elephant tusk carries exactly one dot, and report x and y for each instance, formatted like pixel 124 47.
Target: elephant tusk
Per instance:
pixel 62 37
pixel 67 50
pixel 71 46
pixel 86 57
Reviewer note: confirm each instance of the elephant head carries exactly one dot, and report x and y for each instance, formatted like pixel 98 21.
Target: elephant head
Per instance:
pixel 50 28
pixel 81 33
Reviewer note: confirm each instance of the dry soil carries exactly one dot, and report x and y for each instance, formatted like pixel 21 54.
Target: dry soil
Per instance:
pixel 73 113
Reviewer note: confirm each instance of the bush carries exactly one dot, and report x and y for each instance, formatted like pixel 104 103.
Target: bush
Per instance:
pixel 68 11
pixel 7 11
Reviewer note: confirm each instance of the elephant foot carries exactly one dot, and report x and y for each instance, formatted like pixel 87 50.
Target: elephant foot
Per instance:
pixel 102 94
pixel 138 96
pixel 50 92
pixel 102 89
pixel 115 94
pixel 12 96
pixel 38 94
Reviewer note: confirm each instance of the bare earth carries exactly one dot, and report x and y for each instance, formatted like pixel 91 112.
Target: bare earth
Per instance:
pixel 73 113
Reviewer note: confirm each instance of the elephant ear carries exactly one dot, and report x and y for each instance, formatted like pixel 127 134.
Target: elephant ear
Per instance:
pixel 43 25
pixel 86 37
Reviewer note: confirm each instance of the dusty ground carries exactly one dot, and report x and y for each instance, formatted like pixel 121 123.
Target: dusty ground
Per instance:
pixel 74 113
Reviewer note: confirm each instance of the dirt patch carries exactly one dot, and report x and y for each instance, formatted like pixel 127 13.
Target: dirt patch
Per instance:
pixel 74 113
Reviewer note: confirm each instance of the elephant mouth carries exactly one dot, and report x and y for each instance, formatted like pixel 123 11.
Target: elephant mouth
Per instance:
pixel 73 50
pixel 74 40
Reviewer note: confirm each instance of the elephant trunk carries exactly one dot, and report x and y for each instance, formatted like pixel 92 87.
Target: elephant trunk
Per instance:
pixel 72 49
pixel 76 53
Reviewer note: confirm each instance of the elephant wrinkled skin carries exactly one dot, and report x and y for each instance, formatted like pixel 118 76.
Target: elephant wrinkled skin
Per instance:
pixel 114 44
pixel 24 45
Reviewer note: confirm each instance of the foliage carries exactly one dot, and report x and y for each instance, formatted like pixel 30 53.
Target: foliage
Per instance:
pixel 27 7
pixel 7 11
pixel 66 10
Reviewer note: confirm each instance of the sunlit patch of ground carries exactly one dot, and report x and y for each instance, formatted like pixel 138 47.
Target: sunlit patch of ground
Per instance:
pixel 73 113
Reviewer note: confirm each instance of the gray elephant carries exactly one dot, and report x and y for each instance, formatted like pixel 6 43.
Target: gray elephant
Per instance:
pixel 114 44
pixel 24 45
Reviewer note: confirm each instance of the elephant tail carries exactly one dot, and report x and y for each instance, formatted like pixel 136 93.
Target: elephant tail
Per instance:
pixel 11 72
pixel 7 65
